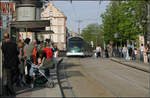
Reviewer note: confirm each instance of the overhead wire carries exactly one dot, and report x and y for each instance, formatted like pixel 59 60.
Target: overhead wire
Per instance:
pixel 75 14
pixel 98 12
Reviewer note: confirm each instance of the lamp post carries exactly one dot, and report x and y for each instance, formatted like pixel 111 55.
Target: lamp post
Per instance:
pixel 117 36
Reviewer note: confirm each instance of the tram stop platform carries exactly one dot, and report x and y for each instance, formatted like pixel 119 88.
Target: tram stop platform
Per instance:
pixel 42 91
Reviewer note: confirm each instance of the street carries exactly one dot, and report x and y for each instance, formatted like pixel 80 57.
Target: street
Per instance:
pixel 92 77
pixel 104 77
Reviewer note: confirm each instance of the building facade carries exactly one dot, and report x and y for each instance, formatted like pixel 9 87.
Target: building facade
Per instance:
pixel 57 25
pixel 7 9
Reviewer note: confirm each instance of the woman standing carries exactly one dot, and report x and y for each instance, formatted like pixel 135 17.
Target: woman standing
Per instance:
pixel 21 65
pixel 124 50
pixel 106 53
pixel 145 54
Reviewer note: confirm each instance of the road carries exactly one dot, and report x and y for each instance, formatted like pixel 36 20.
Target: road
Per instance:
pixel 103 77
pixel 91 77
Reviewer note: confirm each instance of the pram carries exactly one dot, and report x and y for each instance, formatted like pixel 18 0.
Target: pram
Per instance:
pixel 38 75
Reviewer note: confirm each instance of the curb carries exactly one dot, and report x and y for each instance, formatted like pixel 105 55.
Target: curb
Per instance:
pixel 129 65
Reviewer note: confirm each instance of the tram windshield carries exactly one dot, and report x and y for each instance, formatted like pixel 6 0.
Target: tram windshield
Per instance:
pixel 75 45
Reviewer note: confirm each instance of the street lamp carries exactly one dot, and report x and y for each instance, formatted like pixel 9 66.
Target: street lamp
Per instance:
pixel 117 36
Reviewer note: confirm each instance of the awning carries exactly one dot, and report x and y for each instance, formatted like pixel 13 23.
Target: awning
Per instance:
pixel 30 24
pixel 45 32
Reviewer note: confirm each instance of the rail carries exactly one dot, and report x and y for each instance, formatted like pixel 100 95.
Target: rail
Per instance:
pixel 59 81
pixel 68 83
pixel 58 78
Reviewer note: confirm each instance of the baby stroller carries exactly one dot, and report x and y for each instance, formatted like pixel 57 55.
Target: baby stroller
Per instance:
pixel 38 75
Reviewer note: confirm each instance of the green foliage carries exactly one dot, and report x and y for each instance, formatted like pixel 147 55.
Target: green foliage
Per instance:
pixel 124 18
pixel 93 33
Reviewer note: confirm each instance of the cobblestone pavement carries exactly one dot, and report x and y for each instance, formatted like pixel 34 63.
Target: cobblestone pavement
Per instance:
pixel 103 77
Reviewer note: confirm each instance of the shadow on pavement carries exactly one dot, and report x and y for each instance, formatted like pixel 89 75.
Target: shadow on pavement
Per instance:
pixel 65 74
pixel 25 90
pixel 66 65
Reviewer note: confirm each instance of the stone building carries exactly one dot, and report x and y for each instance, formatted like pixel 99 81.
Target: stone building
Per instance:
pixel 57 25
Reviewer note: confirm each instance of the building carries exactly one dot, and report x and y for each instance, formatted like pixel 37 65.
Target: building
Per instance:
pixel 57 25
pixel 7 8
pixel 72 34
pixel 141 40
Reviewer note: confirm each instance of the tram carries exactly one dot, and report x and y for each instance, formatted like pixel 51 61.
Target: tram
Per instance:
pixel 77 46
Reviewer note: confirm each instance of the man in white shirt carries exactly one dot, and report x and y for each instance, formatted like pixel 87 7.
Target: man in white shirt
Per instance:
pixel 98 51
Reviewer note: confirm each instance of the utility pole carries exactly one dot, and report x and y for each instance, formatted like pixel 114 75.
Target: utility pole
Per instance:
pixel 148 23
pixel 79 21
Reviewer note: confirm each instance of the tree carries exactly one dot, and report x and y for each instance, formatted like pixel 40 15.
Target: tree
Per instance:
pixel 93 33
pixel 124 18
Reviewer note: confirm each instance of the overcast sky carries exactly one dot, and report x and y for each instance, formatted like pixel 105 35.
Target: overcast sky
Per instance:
pixel 87 11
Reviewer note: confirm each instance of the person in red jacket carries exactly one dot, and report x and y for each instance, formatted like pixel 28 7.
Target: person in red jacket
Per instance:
pixel 49 52
pixel 48 62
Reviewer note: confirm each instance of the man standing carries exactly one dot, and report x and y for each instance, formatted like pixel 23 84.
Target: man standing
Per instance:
pixel 98 51
pixel 10 65
pixel 28 49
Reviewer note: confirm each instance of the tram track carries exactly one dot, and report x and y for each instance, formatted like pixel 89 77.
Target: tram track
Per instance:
pixel 61 71
pixel 80 82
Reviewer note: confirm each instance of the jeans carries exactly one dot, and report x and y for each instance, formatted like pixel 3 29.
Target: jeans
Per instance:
pixel 98 54
pixel 135 57
pixel 124 55
pixel 12 76
pixel 141 56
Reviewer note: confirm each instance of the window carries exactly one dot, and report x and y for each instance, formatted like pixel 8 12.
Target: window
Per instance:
pixel 60 21
pixel 50 13
pixel 59 29
pixel 50 21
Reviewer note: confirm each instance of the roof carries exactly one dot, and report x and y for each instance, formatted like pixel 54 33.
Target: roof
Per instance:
pixel 5 1
pixel 75 37
pixel 52 5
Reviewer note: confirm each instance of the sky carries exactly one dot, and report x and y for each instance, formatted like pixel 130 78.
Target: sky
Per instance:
pixel 87 11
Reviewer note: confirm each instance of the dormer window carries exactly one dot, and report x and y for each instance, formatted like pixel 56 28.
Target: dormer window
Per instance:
pixel 50 13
